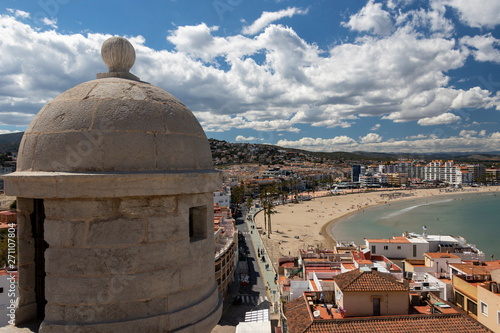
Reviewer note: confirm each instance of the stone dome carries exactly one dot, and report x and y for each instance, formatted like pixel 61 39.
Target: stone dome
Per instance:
pixel 115 193
pixel 114 124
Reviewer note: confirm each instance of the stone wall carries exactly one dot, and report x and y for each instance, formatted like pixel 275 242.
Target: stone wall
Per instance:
pixel 124 259
pixel 26 309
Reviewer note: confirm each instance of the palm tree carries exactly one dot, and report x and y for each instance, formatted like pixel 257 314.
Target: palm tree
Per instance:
pixel 269 210
pixel 315 184
pixel 263 201
pixel 269 196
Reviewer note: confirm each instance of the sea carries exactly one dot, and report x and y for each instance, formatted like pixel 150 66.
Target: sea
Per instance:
pixel 474 216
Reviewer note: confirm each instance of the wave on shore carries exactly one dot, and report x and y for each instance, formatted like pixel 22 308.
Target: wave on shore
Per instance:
pixel 407 209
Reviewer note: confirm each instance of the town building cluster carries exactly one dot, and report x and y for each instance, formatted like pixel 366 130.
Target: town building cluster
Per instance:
pixel 226 247
pixel 118 236
pixel 225 153
pixel 411 173
pixel 443 283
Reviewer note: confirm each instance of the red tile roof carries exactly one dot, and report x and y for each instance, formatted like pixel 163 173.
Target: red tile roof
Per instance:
pixel 437 255
pixel 299 320
pixel 297 314
pixel 413 323
pixel 471 269
pixel 358 280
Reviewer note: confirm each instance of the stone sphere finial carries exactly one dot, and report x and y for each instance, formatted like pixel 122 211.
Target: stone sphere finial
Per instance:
pixel 119 55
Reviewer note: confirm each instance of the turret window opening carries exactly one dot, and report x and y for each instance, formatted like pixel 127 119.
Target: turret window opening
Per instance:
pixel 197 223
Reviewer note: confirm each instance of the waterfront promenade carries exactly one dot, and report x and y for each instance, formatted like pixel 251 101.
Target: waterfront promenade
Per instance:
pixel 267 267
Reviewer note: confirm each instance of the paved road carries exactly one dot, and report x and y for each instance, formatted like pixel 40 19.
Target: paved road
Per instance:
pixel 266 267
pixel 257 285
pixel 253 294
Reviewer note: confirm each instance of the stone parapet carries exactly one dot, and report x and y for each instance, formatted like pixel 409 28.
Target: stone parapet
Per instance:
pixel 40 184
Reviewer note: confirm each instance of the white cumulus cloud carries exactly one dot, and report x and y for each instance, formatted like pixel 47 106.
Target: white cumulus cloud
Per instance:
pixel 476 13
pixel 485 47
pixel 467 134
pixel 337 143
pixel 418 136
pixel 50 22
pixel 268 17
pixel 371 138
pixel 8 132
pixel 271 82
pixel 432 143
pixel 19 13
pixel 371 18
pixel 241 138
pixel 445 118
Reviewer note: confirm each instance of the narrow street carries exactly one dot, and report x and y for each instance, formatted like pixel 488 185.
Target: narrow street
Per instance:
pixel 254 295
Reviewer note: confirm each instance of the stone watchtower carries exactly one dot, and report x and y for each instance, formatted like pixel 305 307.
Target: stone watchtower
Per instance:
pixel 114 187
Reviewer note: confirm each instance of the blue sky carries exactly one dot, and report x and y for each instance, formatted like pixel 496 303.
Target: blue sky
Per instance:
pixel 388 76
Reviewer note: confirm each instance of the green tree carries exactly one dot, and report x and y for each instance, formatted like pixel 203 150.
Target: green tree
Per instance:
pixel 249 203
pixel 237 194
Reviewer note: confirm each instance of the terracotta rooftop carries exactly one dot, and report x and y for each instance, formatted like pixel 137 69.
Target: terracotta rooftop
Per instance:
pixel 438 255
pixel 416 323
pixel 358 280
pixel 471 269
pixel 348 265
pixel 415 262
pixel 299 320
pixel 297 314
pixel 492 264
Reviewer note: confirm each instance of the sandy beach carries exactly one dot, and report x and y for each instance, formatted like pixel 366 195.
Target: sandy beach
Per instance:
pixel 296 226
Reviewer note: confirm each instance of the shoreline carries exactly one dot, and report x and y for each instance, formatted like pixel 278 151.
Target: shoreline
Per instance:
pixel 305 225
pixel 328 226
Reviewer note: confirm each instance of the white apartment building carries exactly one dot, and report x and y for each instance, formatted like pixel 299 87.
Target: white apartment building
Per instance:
pixel 388 168
pixel 384 179
pixel 222 198
pixel 411 168
pixel 398 247
pixel 432 170
pixel 447 172
pixel 369 181
pixel 467 177
pixel 413 246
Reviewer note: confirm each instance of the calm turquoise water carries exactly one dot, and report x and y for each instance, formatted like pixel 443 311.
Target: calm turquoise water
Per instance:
pixel 473 216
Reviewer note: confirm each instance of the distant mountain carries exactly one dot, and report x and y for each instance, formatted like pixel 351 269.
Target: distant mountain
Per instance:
pixel 10 142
